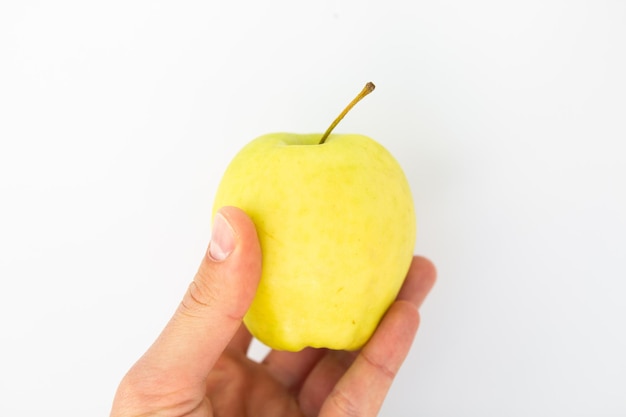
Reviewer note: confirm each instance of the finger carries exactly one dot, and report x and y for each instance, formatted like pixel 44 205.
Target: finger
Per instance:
pixel 292 368
pixel 361 391
pixel 212 309
pixel 241 340
pixel 322 379
pixel 419 281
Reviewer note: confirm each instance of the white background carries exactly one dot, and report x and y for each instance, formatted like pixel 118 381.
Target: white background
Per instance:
pixel 118 118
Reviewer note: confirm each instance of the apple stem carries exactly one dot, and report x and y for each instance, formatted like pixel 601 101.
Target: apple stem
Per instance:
pixel 369 87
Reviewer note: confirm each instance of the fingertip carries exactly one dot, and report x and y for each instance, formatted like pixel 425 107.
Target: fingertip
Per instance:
pixel 223 239
pixel 419 281
pixel 236 217
pixel 242 225
pixel 426 268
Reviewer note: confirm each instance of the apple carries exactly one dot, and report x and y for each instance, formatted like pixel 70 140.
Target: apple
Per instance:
pixel 336 225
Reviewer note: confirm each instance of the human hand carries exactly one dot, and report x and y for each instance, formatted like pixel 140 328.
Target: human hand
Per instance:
pixel 198 366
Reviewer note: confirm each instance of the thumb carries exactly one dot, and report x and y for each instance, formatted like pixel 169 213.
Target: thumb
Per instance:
pixel 215 303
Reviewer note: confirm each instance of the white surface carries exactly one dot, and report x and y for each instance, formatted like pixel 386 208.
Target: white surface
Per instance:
pixel 118 118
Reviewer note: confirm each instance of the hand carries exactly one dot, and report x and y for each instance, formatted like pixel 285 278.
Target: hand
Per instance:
pixel 198 365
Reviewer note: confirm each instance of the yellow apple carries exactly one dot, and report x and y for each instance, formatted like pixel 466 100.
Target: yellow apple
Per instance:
pixel 336 224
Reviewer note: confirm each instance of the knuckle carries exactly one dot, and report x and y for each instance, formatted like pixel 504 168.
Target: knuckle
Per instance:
pixel 380 367
pixel 199 297
pixel 344 404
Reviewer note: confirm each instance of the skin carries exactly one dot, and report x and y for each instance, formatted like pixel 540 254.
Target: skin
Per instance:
pixel 198 366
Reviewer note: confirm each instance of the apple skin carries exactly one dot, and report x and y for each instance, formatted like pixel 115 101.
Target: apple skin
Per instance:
pixel 336 224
